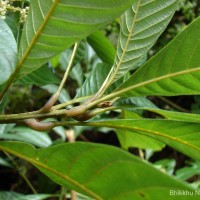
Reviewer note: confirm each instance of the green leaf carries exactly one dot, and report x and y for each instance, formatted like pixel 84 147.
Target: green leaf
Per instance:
pixel 141 103
pixel 141 26
pixel 6 128
pixel 5 163
pixel 175 70
pixel 99 171
pixel 102 46
pixel 82 197
pixel 134 103
pixel 13 24
pixel 94 81
pixel 60 130
pixel 52 88
pixel 81 52
pixel 180 135
pixel 4 102
pixel 17 196
pixel 134 139
pixel 52 26
pixel 166 165
pixel 179 116
pixel 24 134
pixel 42 76
pixel 189 171
pixel 77 74
pixel 8 52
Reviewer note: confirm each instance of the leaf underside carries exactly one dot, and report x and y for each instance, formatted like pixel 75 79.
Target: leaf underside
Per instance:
pixel 141 26
pixel 8 52
pixel 52 26
pixel 175 70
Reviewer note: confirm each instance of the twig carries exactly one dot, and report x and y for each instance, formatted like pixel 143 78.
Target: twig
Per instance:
pixel 21 173
pixel 71 138
pixel 177 107
pixel 49 104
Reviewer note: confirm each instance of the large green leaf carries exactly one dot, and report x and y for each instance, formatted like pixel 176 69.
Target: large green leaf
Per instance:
pixel 141 26
pixel 99 171
pixel 141 103
pixel 25 134
pixel 42 76
pixel 173 71
pixel 182 136
pixel 129 139
pixel 132 103
pixel 172 115
pixel 102 46
pixel 95 80
pixel 52 26
pixel 8 52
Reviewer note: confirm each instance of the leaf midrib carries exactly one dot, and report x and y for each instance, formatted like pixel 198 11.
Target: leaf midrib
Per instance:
pixel 37 35
pixel 141 130
pixel 38 164
pixel 116 69
pixel 154 80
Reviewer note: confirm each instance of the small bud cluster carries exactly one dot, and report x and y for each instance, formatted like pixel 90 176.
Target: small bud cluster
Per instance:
pixel 3 8
pixel 6 5
pixel 23 15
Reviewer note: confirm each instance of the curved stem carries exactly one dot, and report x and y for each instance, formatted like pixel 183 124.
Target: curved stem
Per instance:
pixel 48 106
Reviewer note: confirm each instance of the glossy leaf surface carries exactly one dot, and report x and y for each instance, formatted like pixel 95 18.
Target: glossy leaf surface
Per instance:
pixel 99 171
